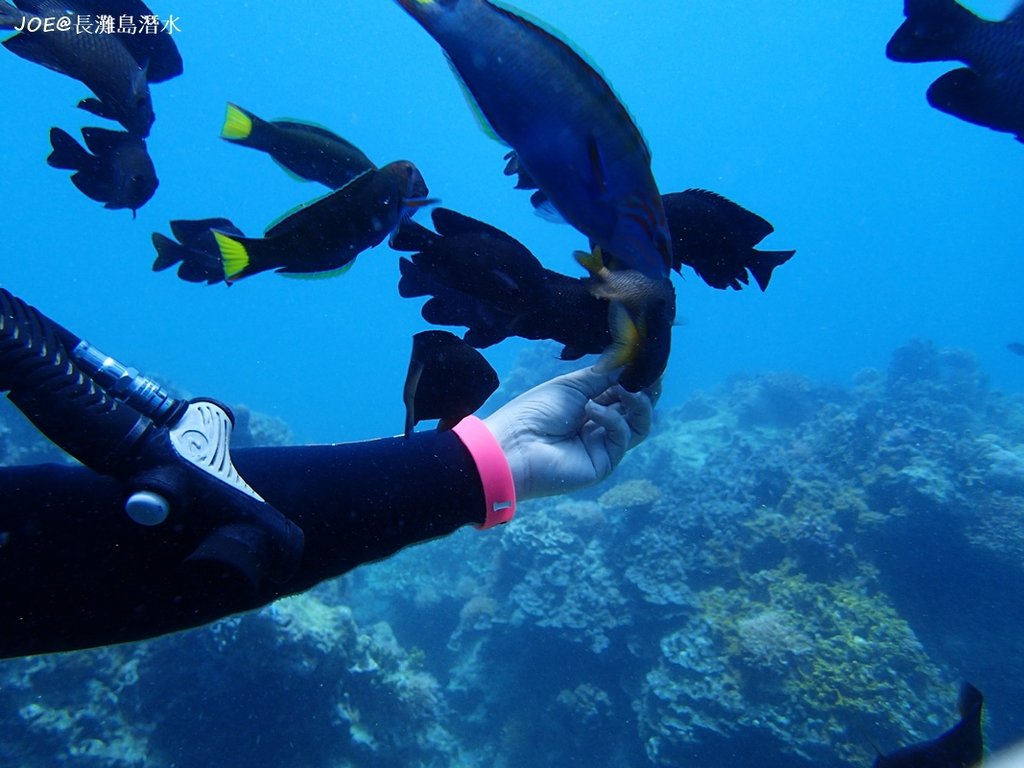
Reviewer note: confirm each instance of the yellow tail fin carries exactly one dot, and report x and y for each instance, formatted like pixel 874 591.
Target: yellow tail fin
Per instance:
pixel 627 337
pixel 233 254
pixel 237 124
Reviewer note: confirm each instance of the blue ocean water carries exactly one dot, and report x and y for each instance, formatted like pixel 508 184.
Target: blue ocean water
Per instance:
pixel 902 217
pixel 905 221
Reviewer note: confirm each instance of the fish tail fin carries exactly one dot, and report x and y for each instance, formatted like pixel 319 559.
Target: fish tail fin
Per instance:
pixel 627 338
pixel 67 153
pixel 239 125
pixel 931 32
pixel 168 252
pixel 234 255
pixel 763 263
pixel 414 280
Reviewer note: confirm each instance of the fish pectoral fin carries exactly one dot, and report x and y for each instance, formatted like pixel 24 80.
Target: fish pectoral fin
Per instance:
pixel 544 208
pixel 290 173
pixel 97 107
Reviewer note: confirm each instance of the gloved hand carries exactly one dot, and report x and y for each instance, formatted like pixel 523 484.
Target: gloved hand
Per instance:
pixel 571 432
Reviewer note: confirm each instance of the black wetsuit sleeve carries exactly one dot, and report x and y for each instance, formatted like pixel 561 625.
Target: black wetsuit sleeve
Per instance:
pixel 75 572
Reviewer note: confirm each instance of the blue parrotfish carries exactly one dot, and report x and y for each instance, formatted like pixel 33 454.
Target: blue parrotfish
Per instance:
pixel 572 136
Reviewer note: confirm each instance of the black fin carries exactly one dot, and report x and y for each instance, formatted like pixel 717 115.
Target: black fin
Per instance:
pixel 92 186
pixel 449 222
pixel 931 32
pixel 67 153
pixel 960 93
pixel 513 168
pixel 412 236
pixel 415 281
pixel 168 252
pixel 762 263
pixel 102 141
pixel 98 108
pixel 196 232
pixel 544 208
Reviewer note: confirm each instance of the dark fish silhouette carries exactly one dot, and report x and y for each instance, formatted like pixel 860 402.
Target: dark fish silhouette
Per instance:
pixel 326 235
pixel 100 61
pixel 305 150
pixel 1016 347
pixel 716 237
pixel 119 173
pixel 479 277
pixel 447 380
pixel 573 139
pixel 709 233
pixel 959 747
pixel 195 249
pixel 154 48
pixel 989 91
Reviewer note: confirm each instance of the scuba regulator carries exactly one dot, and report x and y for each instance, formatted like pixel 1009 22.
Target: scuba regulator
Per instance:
pixel 173 456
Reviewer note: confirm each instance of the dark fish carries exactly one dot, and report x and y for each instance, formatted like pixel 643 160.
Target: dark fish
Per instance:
pixel 482 278
pixel 195 250
pixel 326 235
pixel 1016 347
pixel 307 151
pixel 119 173
pixel 709 233
pixel 989 91
pixel 152 47
pixel 959 747
pixel 573 138
pixel 716 237
pixel 101 62
pixel 447 380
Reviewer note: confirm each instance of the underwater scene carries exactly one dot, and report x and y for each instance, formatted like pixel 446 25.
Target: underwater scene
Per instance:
pixel 795 228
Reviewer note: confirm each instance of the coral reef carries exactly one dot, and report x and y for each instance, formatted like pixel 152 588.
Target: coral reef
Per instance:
pixel 785 573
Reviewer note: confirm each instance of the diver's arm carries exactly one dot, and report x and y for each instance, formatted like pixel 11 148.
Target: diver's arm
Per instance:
pixel 76 572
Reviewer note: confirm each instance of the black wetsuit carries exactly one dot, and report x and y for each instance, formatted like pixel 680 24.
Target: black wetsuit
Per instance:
pixel 76 572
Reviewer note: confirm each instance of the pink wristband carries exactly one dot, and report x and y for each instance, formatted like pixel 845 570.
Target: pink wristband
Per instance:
pixel 495 474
